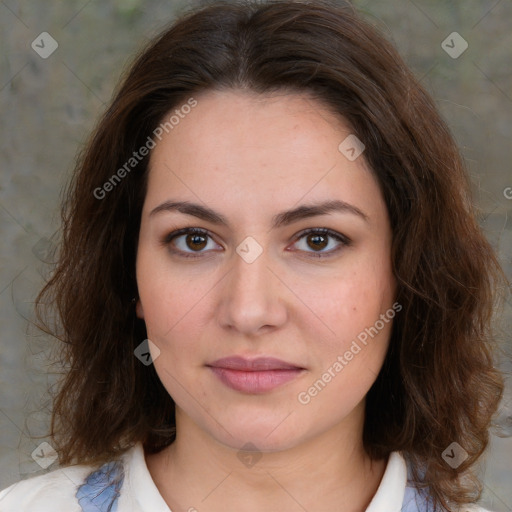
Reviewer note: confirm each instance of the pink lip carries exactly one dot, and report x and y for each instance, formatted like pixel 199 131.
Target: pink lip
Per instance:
pixel 256 375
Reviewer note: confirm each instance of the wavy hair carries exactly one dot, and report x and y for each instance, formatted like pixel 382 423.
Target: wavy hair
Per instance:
pixel 438 384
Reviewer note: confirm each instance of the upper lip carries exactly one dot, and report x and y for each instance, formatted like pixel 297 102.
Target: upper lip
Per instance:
pixel 253 365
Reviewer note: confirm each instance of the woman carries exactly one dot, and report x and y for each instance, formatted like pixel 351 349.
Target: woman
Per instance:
pixel 272 290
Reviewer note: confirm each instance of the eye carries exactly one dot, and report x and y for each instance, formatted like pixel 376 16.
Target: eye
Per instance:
pixel 195 239
pixel 318 239
pixel 187 241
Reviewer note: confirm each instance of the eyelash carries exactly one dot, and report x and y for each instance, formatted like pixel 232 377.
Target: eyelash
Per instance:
pixel 345 241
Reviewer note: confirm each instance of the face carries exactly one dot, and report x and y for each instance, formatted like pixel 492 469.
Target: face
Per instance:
pixel 272 318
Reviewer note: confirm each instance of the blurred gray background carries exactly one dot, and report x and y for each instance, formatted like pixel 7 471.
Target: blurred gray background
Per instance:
pixel 49 104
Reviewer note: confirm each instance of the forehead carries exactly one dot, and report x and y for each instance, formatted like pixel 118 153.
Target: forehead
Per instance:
pixel 262 150
pixel 280 124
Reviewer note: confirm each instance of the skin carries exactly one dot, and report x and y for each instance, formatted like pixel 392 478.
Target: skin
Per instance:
pixel 250 157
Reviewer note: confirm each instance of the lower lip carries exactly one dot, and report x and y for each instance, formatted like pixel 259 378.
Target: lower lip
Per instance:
pixel 255 382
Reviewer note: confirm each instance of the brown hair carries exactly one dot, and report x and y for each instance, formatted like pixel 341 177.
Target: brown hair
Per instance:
pixel 437 385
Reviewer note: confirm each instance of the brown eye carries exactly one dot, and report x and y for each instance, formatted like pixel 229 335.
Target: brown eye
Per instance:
pixel 195 241
pixel 317 239
pixel 189 242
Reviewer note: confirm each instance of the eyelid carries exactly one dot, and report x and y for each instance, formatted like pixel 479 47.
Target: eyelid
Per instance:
pixel 340 237
pixel 184 231
pixel 324 231
pixel 344 241
pixel 167 239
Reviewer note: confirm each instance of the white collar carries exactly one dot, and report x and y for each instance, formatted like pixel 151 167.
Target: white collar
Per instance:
pixel 141 486
pixel 390 494
pixel 388 498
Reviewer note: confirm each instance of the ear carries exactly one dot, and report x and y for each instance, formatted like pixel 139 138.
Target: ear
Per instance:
pixel 139 310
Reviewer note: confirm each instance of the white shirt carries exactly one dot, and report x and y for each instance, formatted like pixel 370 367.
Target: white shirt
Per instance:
pixel 127 486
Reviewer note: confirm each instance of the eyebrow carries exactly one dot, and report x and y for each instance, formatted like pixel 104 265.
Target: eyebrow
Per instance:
pixel 281 219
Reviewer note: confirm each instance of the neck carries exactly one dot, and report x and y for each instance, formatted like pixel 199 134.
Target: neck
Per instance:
pixel 331 472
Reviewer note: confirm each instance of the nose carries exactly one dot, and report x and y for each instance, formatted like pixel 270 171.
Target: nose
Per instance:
pixel 253 298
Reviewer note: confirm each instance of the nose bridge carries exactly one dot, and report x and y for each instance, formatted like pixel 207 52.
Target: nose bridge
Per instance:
pixel 250 272
pixel 250 299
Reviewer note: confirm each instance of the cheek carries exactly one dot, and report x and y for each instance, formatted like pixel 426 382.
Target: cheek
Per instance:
pixel 177 307
pixel 348 304
pixel 169 298
pixel 347 317
pixel 175 327
pixel 347 360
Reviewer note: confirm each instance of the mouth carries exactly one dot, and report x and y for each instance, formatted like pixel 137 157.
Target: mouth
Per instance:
pixel 254 376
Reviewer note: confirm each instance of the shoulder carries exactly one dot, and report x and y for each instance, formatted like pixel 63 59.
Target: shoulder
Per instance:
pixel 120 485
pixel 52 491
pixel 77 488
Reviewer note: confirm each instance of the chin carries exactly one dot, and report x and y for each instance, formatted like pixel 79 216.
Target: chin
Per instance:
pixel 268 435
